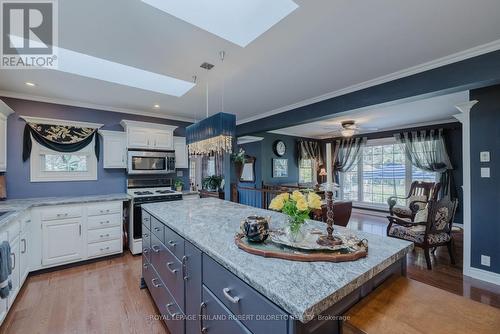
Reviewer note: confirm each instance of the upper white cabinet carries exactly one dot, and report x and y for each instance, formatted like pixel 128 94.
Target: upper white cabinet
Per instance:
pixel 150 136
pixel 115 149
pixel 181 153
pixel 5 111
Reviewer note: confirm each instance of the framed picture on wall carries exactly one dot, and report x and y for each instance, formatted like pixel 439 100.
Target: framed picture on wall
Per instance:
pixel 280 167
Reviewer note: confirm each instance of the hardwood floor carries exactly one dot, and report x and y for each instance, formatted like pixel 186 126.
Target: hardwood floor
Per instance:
pixel 443 275
pixel 104 297
pixel 101 297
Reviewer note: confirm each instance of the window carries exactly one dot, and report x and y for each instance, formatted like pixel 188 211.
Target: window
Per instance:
pixel 211 166
pixel 381 171
pixel 306 171
pixel 48 165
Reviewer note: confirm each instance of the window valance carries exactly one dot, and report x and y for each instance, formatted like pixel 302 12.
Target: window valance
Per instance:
pixel 60 138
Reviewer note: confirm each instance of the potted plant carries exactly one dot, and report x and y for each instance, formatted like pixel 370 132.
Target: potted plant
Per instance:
pixel 239 160
pixel 212 183
pixel 297 207
pixel 179 183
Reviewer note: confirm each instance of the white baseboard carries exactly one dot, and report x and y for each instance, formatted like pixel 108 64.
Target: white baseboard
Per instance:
pixel 483 275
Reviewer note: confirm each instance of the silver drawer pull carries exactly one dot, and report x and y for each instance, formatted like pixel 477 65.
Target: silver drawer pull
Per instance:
pixel 145 250
pixel 105 222
pixel 145 235
pixel 156 250
pixel 104 235
pixel 168 306
pixel 232 299
pixel 154 284
pixel 157 229
pixel 173 271
pixel 172 243
pixel 62 215
pixel 105 248
pixel 145 265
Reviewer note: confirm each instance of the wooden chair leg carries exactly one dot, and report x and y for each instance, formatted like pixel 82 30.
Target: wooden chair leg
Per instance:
pixel 427 258
pixel 450 251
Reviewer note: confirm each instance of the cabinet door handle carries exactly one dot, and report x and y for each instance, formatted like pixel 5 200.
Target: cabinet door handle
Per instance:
pixel 24 246
pixel 203 330
pixel 172 243
pixel 156 250
pixel 154 284
pixel 13 260
pixel 173 271
pixel 104 235
pixel 80 229
pixel 145 250
pixel 184 268
pixel 145 235
pixel 168 306
pixel 157 229
pixel 232 299
pixel 145 265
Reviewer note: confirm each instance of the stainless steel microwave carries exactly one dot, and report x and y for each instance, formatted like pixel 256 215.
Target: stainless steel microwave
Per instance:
pixel 151 162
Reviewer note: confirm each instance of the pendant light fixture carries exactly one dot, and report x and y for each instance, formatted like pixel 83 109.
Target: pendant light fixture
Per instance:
pixel 214 134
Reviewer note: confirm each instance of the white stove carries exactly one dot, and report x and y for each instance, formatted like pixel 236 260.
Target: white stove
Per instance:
pixel 155 191
pixel 145 191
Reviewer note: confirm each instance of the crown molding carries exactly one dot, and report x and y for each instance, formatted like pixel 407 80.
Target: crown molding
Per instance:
pixel 453 58
pixel 54 121
pixel 80 104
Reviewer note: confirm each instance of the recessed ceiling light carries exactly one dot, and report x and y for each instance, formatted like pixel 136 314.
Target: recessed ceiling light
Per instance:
pixel 239 22
pixel 156 106
pixel 31 84
pixel 101 69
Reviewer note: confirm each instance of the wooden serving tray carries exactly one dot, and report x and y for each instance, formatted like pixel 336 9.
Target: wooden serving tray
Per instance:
pixel 273 250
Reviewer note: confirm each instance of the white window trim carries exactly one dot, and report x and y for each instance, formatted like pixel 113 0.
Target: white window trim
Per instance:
pixel 37 175
pixel 369 205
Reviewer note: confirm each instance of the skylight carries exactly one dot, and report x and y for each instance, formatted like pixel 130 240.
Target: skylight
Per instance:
pixel 101 69
pixel 238 21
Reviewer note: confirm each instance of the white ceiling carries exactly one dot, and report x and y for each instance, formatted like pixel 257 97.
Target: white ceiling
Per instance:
pixel 438 109
pixel 323 46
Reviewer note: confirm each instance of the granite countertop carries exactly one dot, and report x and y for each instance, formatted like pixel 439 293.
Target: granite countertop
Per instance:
pixel 17 207
pixel 303 289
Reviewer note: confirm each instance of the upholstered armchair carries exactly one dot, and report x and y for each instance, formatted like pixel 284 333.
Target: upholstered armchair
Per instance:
pixel 432 227
pixel 420 193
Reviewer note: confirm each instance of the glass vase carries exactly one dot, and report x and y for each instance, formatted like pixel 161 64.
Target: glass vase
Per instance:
pixel 294 231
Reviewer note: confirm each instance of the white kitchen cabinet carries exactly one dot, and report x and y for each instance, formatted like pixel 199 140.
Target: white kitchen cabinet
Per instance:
pixel 62 241
pixel 150 136
pixel 3 302
pixel 5 111
pixel 114 149
pixel 181 153
pixel 15 275
pixel 24 257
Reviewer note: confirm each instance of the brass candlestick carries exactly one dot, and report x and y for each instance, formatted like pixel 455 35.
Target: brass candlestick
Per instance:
pixel 329 239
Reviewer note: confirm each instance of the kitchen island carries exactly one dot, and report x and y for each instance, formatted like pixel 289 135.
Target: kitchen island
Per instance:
pixel 202 282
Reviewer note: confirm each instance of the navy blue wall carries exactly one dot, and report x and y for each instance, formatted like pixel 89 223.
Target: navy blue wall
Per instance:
pixel 108 180
pixel 485 192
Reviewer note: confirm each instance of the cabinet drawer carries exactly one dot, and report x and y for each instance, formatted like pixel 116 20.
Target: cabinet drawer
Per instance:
pixel 104 234
pixel 173 316
pixel 95 222
pixel 146 219
pixel 61 212
pixel 157 228
pixel 174 243
pixel 171 273
pixel 212 314
pixel 103 248
pixel 104 209
pixel 146 243
pixel 241 299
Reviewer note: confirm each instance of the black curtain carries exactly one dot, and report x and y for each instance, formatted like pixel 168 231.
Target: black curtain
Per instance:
pixel 427 150
pixel 59 138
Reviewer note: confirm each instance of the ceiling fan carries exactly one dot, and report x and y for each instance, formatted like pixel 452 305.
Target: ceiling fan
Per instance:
pixel 349 128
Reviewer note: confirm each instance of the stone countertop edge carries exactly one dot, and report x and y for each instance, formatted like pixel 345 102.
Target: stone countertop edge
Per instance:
pixel 17 207
pixel 301 313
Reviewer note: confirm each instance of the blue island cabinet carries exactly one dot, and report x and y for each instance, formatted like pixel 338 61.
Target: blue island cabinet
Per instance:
pixel 195 294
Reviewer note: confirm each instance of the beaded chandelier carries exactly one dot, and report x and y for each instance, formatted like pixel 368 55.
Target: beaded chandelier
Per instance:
pixel 213 135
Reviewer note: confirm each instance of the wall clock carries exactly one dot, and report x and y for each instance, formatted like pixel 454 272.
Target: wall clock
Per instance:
pixel 279 148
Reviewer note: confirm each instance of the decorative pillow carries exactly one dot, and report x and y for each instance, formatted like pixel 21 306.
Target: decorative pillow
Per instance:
pixel 421 215
pixel 418 198
pixel 441 218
